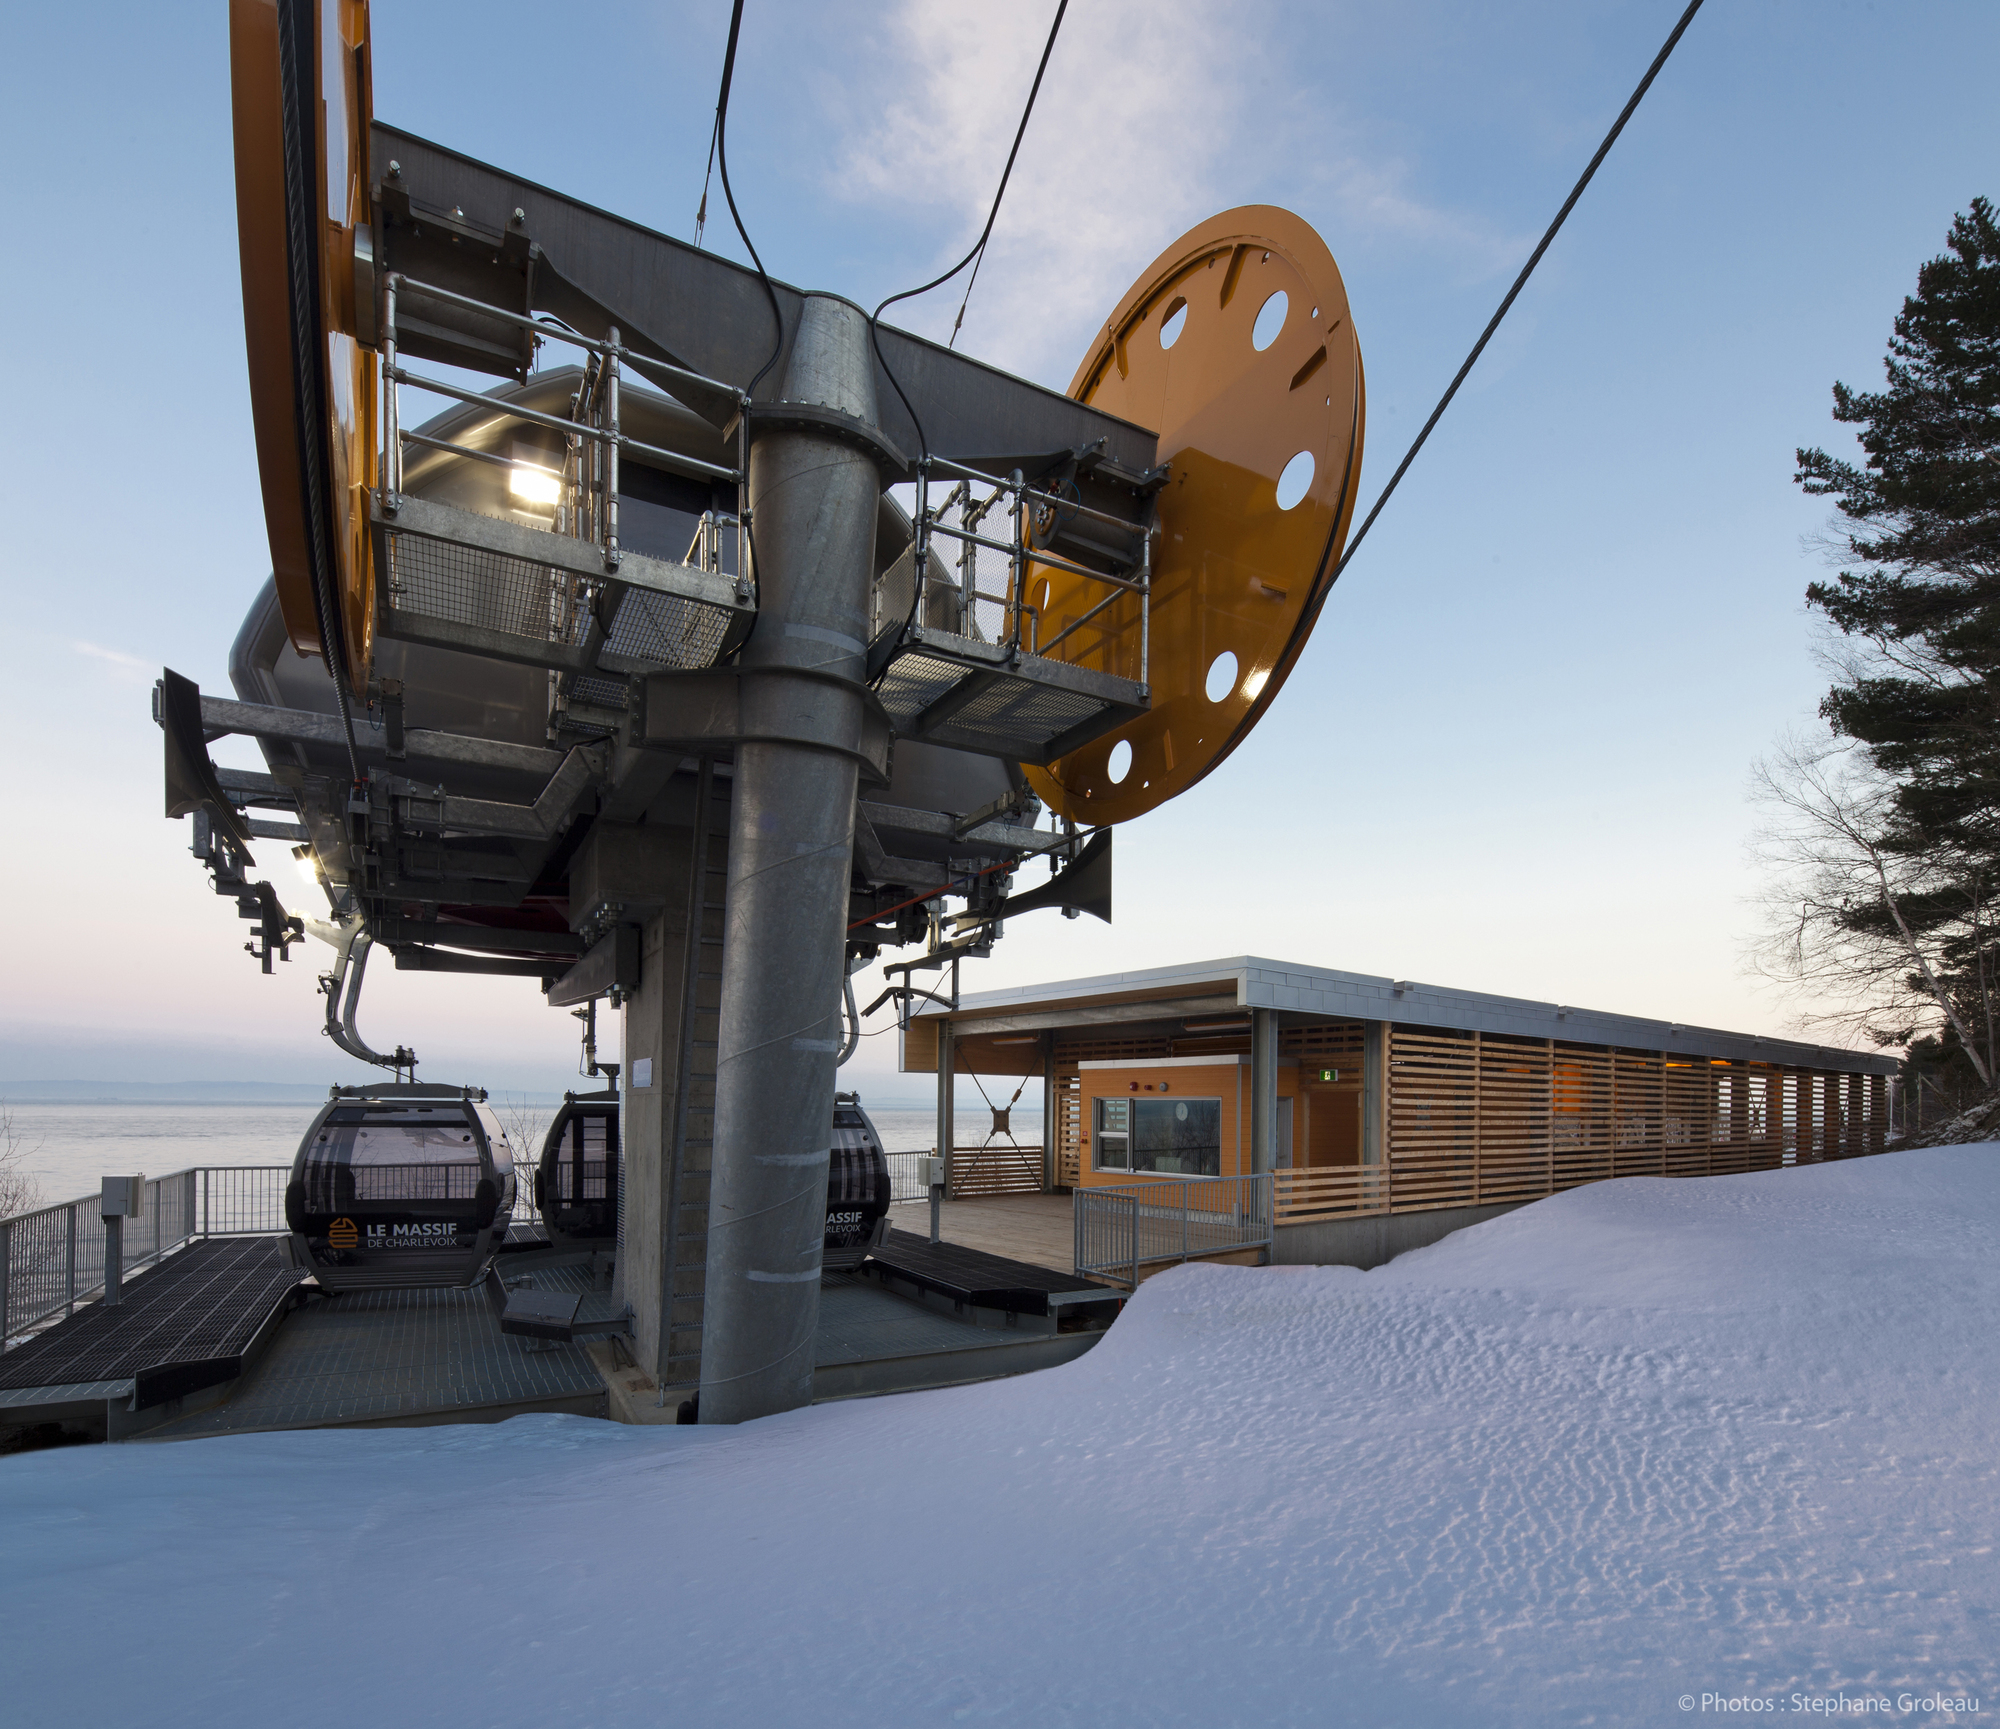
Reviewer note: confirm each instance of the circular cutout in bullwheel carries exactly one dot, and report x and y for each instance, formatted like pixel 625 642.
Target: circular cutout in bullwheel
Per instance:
pixel 1236 345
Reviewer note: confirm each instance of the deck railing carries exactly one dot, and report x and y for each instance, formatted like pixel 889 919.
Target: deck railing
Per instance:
pixel 906 1176
pixel 1121 1229
pixel 52 1259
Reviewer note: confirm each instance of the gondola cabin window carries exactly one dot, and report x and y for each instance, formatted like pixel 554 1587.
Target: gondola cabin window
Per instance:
pixel 1170 1137
pixel 370 1156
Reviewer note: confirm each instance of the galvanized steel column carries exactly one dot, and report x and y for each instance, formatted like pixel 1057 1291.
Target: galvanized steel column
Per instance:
pixel 813 496
pixel 947 1073
pixel 1048 1112
pixel 1263 1090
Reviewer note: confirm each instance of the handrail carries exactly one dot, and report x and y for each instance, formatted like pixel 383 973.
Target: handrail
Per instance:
pixel 52 1258
pixel 590 491
pixel 1022 555
pixel 1125 1226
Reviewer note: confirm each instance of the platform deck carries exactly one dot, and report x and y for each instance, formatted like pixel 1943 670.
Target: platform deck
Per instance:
pixel 1037 1229
pixel 182 1325
pixel 952 1313
pixel 368 1358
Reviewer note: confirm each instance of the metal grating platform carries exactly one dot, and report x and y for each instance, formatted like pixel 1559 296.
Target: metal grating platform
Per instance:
pixel 985 697
pixel 397 1357
pixel 182 1325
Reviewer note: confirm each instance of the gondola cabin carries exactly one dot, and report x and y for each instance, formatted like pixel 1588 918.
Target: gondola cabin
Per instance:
pixel 857 1187
pixel 576 1182
pixel 400 1186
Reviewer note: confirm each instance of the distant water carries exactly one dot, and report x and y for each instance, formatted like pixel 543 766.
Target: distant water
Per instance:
pixel 67 1148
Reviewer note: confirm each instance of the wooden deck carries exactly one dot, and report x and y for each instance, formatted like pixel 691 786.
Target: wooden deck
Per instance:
pixel 1032 1228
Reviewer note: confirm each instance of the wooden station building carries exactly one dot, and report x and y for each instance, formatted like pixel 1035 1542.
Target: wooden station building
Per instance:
pixel 1389 1112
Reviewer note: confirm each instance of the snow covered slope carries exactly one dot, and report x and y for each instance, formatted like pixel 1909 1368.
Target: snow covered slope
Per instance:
pixel 1647 1439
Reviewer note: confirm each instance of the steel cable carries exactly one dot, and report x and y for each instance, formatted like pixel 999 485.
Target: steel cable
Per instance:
pixel 1527 270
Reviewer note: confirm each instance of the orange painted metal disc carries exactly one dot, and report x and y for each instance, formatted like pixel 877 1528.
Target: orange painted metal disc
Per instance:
pixel 1236 345
pixel 316 289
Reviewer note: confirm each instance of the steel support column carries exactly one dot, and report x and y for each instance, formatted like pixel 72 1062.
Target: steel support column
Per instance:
pixel 947 1073
pixel 1048 1112
pixel 813 500
pixel 1263 1090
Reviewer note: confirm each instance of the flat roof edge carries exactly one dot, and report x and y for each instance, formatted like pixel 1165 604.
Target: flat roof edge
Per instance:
pixel 1324 993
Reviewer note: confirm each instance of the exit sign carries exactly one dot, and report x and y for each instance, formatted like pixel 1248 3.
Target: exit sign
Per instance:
pixel 1329 1074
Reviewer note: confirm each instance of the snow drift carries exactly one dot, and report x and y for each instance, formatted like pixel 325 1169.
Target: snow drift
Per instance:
pixel 1731 1439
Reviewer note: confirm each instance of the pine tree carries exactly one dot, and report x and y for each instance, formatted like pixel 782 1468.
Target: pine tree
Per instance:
pixel 1924 525
pixel 1919 695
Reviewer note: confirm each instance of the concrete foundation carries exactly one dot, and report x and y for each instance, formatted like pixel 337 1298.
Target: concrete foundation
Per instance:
pixel 1372 1241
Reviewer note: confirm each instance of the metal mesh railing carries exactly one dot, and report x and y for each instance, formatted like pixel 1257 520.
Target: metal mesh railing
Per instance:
pixel 241 1200
pixel 906 1177
pixel 1120 1230
pixel 983 576
pixel 664 630
pixel 469 585
pixel 52 1259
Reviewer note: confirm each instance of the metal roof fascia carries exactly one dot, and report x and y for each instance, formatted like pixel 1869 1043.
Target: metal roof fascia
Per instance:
pixel 1269 984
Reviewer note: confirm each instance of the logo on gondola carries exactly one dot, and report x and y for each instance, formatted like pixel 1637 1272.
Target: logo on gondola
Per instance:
pixel 433 1234
pixel 341 1234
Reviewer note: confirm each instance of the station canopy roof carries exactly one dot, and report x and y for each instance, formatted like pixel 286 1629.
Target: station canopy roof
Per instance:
pixel 1305 993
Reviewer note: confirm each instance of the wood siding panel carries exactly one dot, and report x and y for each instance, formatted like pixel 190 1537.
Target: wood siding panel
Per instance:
pixel 1473 1119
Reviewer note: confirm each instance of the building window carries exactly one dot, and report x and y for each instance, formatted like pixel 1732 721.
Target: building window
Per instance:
pixel 1161 1137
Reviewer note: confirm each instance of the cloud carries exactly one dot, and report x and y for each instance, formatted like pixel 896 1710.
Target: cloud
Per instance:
pixel 1373 200
pixel 1134 119
pixel 128 668
pixel 1152 116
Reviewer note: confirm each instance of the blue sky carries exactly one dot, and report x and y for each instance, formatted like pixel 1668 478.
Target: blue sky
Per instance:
pixel 1514 756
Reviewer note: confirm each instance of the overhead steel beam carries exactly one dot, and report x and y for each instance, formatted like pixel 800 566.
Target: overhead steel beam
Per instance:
pixel 432 933
pixel 443 961
pixel 720 709
pixel 219 715
pixel 906 819
pixel 695 310
pixel 543 820
pixel 612 963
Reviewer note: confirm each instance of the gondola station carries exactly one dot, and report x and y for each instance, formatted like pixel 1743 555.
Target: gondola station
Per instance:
pixel 1258 1109
pixel 1239 1110
pixel 726 642
pixel 395 1272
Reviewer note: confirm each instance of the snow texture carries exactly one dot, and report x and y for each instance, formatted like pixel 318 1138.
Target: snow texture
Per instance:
pixel 1641 1440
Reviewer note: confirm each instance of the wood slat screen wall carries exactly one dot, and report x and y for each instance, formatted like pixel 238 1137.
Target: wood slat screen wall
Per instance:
pixel 998 1168
pixel 1478 1119
pixel 1068 1107
pixel 1110 1049
pixel 1325 1043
